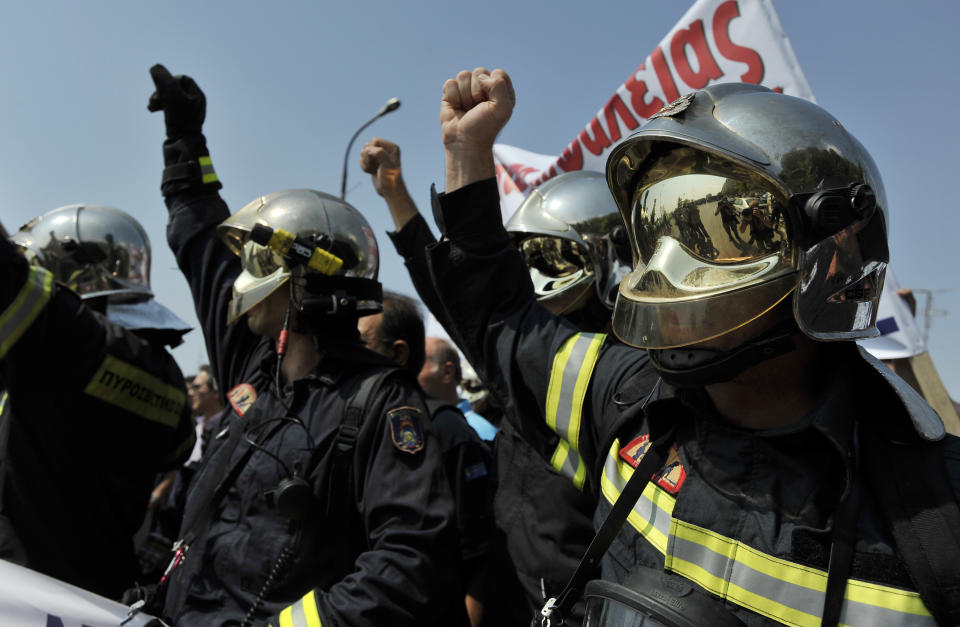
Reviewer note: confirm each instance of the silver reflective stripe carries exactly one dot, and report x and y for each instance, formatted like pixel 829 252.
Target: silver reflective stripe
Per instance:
pixel 297 616
pixel 569 379
pixel 568 463
pixel 786 591
pixel 23 311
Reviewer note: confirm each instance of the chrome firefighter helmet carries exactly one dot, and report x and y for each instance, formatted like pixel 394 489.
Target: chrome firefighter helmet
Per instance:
pixel 736 197
pixel 318 241
pixel 97 252
pixel 93 250
pixel 571 236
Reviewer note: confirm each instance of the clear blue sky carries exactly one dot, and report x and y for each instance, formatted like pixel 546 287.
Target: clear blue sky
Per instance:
pixel 287 83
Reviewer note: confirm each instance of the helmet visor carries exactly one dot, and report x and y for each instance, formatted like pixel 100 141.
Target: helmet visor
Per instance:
pixel 556 258
pixel 263 272
pixel 561 271
pixel 258 260
pixel 717 219
pixel 713 254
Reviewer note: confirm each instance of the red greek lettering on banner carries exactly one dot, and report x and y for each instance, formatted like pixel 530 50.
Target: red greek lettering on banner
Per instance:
pixel 504 180
pixel 663 74
pixel 707 66
pixel 571 158
pixel 638 89
pixel 725 14
pixel 518 173
pixel 616 107
pixel 546 176
pixel 598 142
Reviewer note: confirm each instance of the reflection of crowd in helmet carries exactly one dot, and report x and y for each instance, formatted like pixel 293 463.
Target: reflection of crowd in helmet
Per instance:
pixel 764 224
pixel 728 215
pixel 553 256
pixel 693 233
pixel 761 227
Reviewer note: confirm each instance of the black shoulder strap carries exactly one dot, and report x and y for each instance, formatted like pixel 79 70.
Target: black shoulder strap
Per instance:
pixel 341 488
pixel 355 410
pixel 911 482
pixel 557 609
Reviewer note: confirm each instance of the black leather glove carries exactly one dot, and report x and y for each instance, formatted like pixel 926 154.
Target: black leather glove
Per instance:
pixel 183 104
pixel 185 152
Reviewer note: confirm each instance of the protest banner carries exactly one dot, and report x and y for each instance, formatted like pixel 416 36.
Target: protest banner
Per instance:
pixel 716 41
pixel 30 598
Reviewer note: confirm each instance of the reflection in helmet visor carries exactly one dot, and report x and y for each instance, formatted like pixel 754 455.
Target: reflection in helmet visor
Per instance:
pixel 714 254
pixel 259 260
pixel 555 257
pixel 717 219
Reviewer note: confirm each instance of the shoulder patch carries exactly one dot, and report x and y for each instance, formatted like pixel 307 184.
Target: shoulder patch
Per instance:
pixel 405 429
pixel 242 397
pixel 672 476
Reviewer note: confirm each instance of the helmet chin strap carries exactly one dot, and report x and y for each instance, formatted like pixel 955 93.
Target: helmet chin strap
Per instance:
pixel 693 366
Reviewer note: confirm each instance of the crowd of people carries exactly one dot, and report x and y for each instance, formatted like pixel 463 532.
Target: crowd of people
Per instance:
pixel 677 428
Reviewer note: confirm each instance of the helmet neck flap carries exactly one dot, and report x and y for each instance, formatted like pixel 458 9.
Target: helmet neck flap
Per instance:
pixel 695 366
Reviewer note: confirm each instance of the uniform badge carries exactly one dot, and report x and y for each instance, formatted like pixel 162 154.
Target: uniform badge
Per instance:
pixel 673 474
pixel 242 397
pixel 676 107
pixel 405 429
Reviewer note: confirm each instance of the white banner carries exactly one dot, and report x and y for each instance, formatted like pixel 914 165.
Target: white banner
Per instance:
pixel 29 598
pixel 716 41
pixel 900 336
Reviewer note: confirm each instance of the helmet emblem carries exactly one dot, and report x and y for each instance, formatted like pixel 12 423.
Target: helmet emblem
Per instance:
pixel 676 107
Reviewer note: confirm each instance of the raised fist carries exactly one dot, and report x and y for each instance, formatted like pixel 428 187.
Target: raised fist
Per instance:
pixel 381 160
pixel 475 108
pixel 183 104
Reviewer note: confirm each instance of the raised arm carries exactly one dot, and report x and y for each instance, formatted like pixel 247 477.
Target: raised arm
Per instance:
pixel 189 188
pixel 474 109
pixel 533 361
pixel 381 160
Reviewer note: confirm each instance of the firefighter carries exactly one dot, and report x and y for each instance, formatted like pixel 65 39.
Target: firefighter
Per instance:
pixel 92 405
pixel 541 506
pixel 791 477
pixel 323 499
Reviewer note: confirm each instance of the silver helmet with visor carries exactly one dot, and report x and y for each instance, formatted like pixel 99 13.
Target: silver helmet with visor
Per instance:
pixel 328 224
pixel 103 253
pixel 736 197
pixel 92 249
pixel 571 237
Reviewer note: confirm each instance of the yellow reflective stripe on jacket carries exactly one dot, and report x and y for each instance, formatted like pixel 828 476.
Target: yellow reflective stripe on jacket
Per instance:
pixel 206 170
pixel 3 403
pixel 23 311
pixel 303 613
pixel 569 379
pixel 773 587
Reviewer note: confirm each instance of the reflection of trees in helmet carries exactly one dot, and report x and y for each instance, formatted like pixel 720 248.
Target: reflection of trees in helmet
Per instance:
pixel 599 224
pixel 805 168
